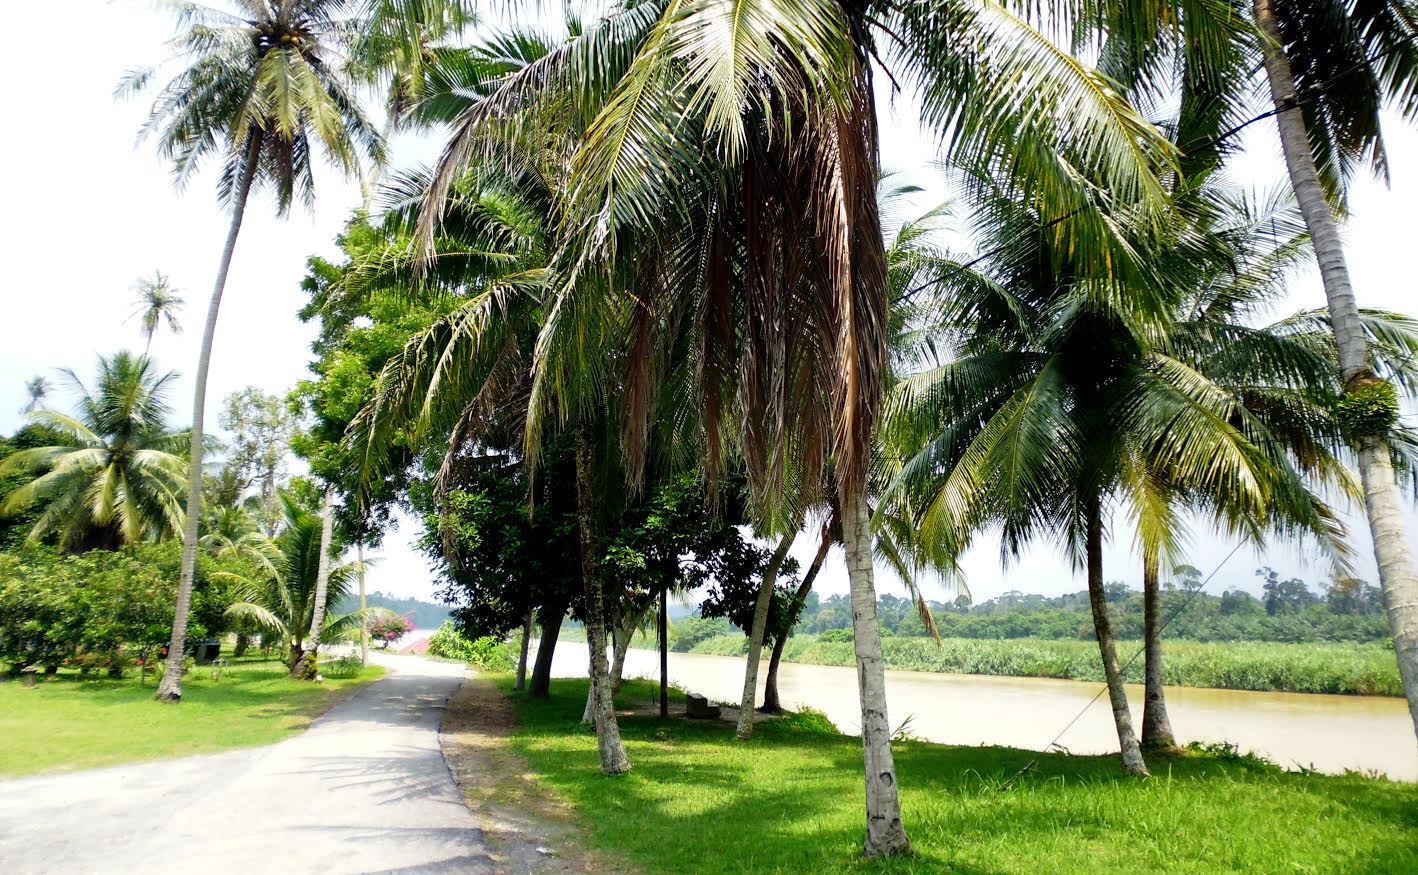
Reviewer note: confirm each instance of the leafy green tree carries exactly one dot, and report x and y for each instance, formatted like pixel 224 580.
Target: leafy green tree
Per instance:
pixel 262 427
pixel 112 475
pixel 157 302
pixel 260 89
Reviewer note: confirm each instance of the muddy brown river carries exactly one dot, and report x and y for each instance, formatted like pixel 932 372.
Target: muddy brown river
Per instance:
pixel 1328 733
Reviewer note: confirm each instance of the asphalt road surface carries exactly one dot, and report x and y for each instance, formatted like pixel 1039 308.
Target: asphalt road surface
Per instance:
pixel 365 789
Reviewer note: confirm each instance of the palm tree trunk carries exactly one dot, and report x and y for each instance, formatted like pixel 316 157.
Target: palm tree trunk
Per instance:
pixel 886 834
pixel 1398 572
pixel 1133 763
pixel 305 667
pixel 170 689
pixel 1156 725
pixel 522 657
pixel 363 606
pixel 546 649
pixel 771 703
pixel 612 751
pixel 756 636
pixel 663 628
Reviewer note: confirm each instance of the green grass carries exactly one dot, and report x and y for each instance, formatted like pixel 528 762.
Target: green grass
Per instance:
pixel 791 801
pixel 69 722
pixel 1357 669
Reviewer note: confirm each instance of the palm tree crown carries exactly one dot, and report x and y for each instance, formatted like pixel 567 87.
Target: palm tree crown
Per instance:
pixel 157 302
pixel 114 475
pixel 262 89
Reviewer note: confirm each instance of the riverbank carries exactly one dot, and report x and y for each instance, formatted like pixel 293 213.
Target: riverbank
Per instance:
pixel 71 722
pixel 790 800
pixel 1344 669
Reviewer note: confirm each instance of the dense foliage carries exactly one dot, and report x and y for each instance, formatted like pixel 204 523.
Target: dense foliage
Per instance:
pixel 1288 611
pixel 488 653
pixel 101 609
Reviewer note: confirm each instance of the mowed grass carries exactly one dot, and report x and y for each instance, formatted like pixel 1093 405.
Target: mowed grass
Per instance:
pixel 791 801
pixel 69 722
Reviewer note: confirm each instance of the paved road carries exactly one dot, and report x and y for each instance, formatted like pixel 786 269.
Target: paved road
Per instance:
pixel 365 789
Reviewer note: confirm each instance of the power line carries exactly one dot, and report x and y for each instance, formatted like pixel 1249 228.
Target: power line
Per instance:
pixel 1191 596
pixel 1294 101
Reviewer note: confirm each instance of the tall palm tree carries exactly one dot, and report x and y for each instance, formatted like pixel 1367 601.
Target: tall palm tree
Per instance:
pixel 775 104
pixel 117 475
pixel 37 389
pixel 158 302
pixel 1068 393
pixel 261 88
pixel 1330 66
pixel 1328 83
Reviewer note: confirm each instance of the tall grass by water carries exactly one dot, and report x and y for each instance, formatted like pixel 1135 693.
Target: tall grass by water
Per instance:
pixel 1355 669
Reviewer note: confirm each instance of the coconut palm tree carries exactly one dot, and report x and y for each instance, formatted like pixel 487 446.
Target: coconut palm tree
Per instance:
pixel 37 388
pixel 1069 393
pixel 116 475
pixel 158 302
pixel 285 599
pixel 1329 67
pixel 260 89
pixel 776 105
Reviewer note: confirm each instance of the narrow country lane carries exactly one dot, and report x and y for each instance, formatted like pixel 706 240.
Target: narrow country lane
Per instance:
pixel 365 789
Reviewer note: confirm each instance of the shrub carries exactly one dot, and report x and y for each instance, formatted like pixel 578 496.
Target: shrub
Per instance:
pixel 487 653
pixel 98 609
pixel 386 628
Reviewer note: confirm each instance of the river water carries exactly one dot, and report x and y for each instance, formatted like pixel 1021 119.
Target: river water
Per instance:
pixel 1329 733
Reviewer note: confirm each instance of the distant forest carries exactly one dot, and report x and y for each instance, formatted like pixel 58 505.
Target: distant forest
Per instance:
pixel 1289 610
pixel 424 615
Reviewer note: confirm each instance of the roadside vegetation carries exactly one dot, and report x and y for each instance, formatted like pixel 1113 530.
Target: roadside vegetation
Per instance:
pixel 71 721
pixel 787 801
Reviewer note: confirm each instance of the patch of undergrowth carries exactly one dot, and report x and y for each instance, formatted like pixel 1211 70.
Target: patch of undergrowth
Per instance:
pixel 791 801
pixel 68 721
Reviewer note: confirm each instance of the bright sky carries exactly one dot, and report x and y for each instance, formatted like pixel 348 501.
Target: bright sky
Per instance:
pixel 68 295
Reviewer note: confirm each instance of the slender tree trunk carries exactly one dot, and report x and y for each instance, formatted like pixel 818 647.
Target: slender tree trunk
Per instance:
pixel 170 689
pixel 1156 725
pixel 243 641
pixel 612 751
pixel 522 657
pixel 663 628
pixel 1398 572
pixel 363 606
pixel 305 666
pixel 546 649
pixel 620 644
pixel 757 634
pixel 771 703
pixel 886 834
pixel 1133 763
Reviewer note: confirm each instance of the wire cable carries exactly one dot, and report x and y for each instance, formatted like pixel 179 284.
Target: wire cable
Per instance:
pixel 1191 596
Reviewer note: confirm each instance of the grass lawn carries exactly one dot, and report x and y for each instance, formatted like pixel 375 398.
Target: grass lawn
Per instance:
pixel 791 801
pixel 69 722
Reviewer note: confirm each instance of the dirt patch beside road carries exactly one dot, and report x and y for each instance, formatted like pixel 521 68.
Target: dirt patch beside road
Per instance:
pixel 529 830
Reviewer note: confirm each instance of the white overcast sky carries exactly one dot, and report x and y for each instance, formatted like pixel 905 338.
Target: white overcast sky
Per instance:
pixel 88 212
